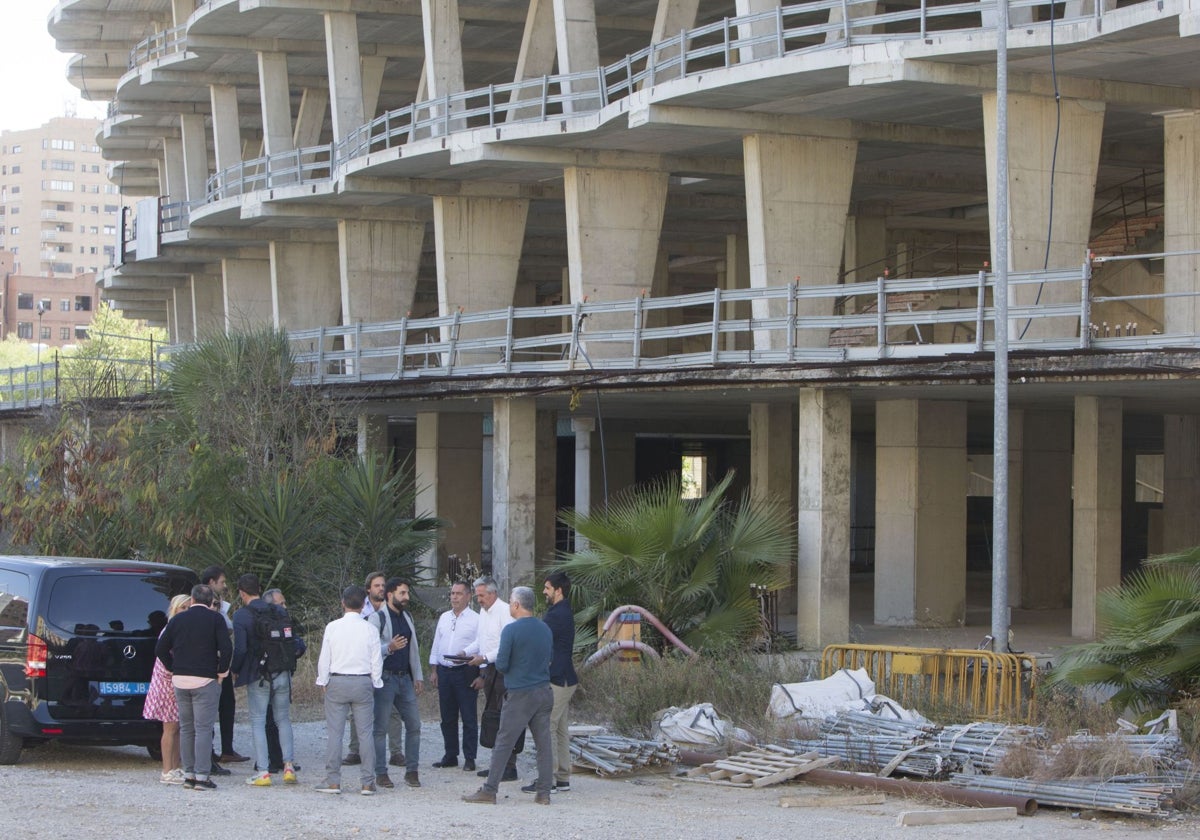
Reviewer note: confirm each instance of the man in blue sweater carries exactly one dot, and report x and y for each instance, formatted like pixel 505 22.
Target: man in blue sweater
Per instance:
pixel 524 660
pixel 563 679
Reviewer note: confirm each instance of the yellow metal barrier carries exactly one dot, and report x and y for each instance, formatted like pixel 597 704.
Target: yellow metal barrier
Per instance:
pixel 996 686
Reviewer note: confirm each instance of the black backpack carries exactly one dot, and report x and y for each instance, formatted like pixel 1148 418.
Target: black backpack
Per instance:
pixel 274 641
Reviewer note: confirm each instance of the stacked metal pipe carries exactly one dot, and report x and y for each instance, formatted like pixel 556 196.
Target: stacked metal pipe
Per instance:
pixel 1148 796
pixel 609 755
pixel 978 747
pixel 881 743
pixel 1165 748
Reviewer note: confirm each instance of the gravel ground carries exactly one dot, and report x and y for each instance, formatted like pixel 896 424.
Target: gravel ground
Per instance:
pixel 114 792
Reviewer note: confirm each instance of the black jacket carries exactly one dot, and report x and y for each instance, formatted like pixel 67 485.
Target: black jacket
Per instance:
pixel 195 643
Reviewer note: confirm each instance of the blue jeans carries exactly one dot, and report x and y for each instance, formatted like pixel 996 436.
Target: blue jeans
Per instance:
pixel 397 691
pixel 457 699
pixel 278 694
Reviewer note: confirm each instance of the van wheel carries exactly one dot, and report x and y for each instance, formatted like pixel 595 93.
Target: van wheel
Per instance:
pixel 155 751
pixel 10 744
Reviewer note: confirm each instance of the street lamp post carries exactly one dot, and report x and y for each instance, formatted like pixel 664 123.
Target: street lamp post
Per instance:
pixel 41 310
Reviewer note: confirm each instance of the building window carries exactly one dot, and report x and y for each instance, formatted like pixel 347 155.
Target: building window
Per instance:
pixel 45 334
pixel 64 305
pixel 16 169
pixel 62 165
pixel 45 305
pixel 109 230
pixel 61 145
pixel 64 186
pixel 16 149
pixel 81 331
pixel 109 208
pixel 83 303
pixel 16 190
pixel 24 329
pixel 24 300
pixel 64 333
pixel 15 230
pixel 60 268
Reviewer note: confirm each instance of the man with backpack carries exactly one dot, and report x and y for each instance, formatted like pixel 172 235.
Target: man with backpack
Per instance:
pixel 264 656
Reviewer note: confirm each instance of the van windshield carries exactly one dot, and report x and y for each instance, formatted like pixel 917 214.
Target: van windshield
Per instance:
pixel 114 603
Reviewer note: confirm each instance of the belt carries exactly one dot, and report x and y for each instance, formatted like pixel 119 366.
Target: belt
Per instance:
pixel 454 667
pixel 332 674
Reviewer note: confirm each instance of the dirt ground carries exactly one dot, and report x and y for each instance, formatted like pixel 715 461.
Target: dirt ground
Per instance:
pixel 114 792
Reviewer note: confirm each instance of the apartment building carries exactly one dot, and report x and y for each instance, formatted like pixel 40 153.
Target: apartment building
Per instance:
pixel 52 311
pixel 60 212
pixel 553 248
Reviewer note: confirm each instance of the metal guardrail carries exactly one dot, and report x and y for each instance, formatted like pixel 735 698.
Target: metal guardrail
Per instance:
pixel 167 42
pixel 706 330
pixel 995 686
pixel 783 31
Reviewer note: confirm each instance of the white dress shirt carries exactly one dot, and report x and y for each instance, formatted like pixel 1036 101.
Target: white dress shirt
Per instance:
pixel 454 634
pixel 491 622
pixel 350 646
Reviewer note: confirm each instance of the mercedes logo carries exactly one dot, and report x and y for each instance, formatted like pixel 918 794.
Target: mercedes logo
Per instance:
pixel 129 651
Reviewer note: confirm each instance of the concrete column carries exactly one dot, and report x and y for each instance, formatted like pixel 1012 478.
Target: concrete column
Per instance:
pixel 671 18
pixel 1045 511
pixel 1032 166
pixel 546 502
pixel 195 155
pixel 1181 221
pixel 858 10
pixel 866 248
pixel 478 244
pixel 246 289
pixel 372 437
pixel 443 73
pixel 208 305
pixel 735 274
pixel 797 197
pixel 920 513
pixel 345 72
pixel 773 468
pixel 378 264
pixel 823 511
pixel 373 67
pixel 536 58
pixel 449 475
pixel 514 490
pixel 769 48
pixel 181 10
pixel 310 119
pixel 275 96
pixel 1096 545
pixel 305 285
pixel 185 316
pixel 614 218
pixel 171 177
pixel 227 129
pixel 583 428
pixel 1181 481
pixel 578 50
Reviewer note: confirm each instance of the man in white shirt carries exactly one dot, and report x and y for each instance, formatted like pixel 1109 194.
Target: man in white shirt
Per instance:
pixel 374 585
pixel 494 616
pixel 349 668
pixel 457 628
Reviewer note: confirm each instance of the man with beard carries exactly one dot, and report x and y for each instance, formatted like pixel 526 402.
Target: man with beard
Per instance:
pixel 374 584
pixel 402 680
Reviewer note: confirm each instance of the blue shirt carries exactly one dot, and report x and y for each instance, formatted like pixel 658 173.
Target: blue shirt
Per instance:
pixel 524 657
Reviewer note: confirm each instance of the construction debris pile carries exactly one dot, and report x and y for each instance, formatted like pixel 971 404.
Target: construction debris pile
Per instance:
pixel 610 755
pixel 968 755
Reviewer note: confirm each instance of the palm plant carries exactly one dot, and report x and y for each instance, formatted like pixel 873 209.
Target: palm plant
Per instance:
pixel 690 562
pixel 1148 652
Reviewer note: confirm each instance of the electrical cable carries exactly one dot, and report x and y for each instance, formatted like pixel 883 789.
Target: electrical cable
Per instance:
pixel 599 416
pixel 1053 164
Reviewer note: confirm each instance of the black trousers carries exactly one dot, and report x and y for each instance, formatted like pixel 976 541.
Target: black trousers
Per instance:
pixel 493 698
pixel 225 710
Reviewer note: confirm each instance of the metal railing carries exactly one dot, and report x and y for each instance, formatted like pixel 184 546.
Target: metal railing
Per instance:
pixel 166 42
pixel 789 324
pixel 783 31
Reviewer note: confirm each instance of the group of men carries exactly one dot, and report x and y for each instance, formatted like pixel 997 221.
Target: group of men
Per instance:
pixel 370 668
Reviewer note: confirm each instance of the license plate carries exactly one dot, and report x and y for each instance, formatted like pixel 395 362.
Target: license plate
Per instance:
pixel 114 688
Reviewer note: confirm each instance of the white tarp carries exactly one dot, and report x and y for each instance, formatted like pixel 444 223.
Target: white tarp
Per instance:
pixel 695 726
pixel 845 690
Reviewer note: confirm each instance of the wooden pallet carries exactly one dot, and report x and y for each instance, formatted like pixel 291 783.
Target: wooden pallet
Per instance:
pixel 759 768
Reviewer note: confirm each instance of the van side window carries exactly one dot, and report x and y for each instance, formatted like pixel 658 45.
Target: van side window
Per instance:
pixel 14 599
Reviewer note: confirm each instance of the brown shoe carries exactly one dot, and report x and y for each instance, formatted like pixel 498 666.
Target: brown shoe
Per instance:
pixel 481 797
pixel 384 781
pixel 412 779
pixel 541 799
pixel 233 757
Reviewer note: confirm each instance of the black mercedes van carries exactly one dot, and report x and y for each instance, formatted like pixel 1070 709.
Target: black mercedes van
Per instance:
pixel 77 642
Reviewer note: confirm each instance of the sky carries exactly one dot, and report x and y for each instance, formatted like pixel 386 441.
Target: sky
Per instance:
pixel 35 84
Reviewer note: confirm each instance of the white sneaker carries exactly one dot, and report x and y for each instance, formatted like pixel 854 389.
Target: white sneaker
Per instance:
pixel 172 777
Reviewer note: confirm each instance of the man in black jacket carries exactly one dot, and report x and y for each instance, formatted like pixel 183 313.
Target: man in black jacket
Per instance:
pixel 195 647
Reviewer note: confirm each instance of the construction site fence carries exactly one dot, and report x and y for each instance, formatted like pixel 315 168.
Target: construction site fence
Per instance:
pixel 991 686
